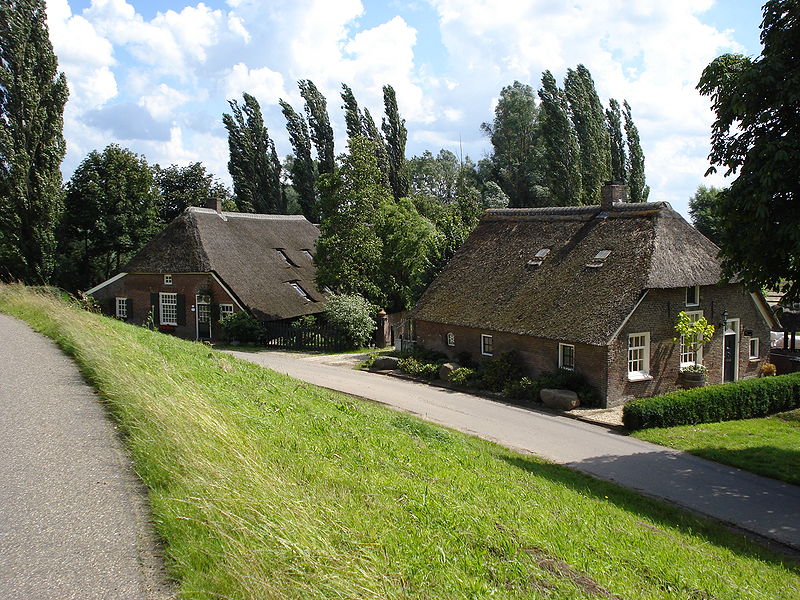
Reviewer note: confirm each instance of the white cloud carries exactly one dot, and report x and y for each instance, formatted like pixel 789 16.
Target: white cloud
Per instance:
pixel 163 101
pixel 265 84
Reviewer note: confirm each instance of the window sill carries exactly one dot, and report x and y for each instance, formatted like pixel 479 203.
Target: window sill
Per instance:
pixel 639 377
pixel 754 359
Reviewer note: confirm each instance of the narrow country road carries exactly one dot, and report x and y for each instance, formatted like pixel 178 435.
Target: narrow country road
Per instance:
pixel 74 519
pixel 759 505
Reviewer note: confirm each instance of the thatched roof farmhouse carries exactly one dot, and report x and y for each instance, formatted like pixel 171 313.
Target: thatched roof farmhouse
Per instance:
pixel 596 289
pixel 207 264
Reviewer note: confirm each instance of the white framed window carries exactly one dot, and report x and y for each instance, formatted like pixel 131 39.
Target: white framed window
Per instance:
pixel 566 356
pixel 296 287
pixel 307 252
pixel 451 339
pixel 225 310
pixel 487 345
pixel 167 279
pixel 693 295
pixel 168 308
pixel 754 348
pixel 639 356
pixel 690 355
pixel 122 308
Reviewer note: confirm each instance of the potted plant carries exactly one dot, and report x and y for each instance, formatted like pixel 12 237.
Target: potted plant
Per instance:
pixel 693 334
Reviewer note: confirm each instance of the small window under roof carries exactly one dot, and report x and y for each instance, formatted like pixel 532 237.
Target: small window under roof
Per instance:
pixel 542 253
pixel 538 258
pixel 285 257
pixel 599 259
pixel 296 287
pixel 308 253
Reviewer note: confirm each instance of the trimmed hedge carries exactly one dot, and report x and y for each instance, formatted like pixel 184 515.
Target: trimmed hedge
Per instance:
pixel 746 399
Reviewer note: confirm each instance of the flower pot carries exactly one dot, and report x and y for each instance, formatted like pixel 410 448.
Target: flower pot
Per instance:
pixel 693 379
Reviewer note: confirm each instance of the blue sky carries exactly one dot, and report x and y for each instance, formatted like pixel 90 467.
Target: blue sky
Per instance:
pixel 155 76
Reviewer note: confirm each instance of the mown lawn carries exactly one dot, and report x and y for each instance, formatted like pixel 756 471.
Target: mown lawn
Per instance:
pixel 265 487
pixel 769 446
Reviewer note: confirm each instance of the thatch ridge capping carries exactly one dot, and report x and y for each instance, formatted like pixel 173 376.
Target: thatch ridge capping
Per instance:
pixel 626 208
pixel 238 215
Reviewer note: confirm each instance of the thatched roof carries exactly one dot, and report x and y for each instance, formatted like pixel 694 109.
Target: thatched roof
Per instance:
pixel 242 249
pixel 494 282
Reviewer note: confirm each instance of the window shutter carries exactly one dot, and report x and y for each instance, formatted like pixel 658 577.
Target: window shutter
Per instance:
pixel 112 306
pixel 129 302
pixel 155 306
pixel 215 312
pixel 181 308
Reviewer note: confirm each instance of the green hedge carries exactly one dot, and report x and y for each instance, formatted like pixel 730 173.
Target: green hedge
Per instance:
pixel 745 399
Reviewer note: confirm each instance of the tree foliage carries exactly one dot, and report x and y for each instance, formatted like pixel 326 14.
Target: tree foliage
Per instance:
pixel 192 185
pixel 638 191
pixel 703 211
pixel 319 124
pixel 394 130
pixel 303 170
pixel 32 98
pixel 353 317
pixel 111 211
pixel 253 165
pixel 353 118
pixel 755 137
pixel 619 159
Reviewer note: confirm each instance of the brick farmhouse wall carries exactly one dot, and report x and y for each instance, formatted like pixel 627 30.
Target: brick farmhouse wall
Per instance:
pixel 606 367
pixel 138 287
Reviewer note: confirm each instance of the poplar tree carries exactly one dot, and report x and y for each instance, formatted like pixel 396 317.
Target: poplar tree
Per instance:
pixel 617 141
pixel 303 170
pixel 319 124
pixel 353 118
pixel 590 128
pixel 638 189
pixel 253 165
pixel 32 98
pixel 561 157
pixel 394 130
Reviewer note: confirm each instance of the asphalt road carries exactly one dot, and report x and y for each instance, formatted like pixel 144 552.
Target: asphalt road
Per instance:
pixel 74 519
pixel 762 506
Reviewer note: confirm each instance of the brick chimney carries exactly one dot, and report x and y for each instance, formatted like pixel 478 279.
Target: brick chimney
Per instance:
pixel 612 193
pixel 214 204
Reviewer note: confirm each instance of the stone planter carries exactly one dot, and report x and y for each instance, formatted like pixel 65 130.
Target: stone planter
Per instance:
pixel 692 379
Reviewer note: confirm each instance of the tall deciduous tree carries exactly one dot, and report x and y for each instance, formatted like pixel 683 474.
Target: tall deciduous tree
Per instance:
pixel 303 170
pixel 319 123
pixel 192 185
pixel 394 130
pixel 619 159
pixel 561 157
pixel 517 152
pixel 353 118
pixel 32 98
pixel 253 165
pixel 756 136
pixel 349 250
pixel 638 189
pixel 703 211
pixel 590 128
pixel 110 212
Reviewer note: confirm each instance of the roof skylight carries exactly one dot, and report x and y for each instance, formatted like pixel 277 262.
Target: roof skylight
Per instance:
pixel 285 257
pixel 296 287
pixel 538 258
pixel 599 259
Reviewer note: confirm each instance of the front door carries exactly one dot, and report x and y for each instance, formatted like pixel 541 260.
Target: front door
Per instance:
pixel 203 314
pixel 729 373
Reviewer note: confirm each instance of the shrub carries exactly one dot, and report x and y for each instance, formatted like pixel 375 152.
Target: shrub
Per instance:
pixel 423 354
pixel 417 368
pixel 304 323
pixel 502 370
pixel 745 399
pixel 525 390
pixel 242 327
pixel 564 379
pixel 464 376
pixel 464 358
pixel 352 317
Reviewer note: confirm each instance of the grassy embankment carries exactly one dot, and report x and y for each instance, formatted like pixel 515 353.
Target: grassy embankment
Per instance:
pixel 265 487
pixel 769 446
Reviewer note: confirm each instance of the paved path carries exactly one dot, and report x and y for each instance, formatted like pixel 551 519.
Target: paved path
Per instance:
pixel 73 516
pixel 755 504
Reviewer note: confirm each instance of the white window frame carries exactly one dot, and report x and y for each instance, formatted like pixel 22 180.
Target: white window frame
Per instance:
pixel 639 343
pixel 122 308
pixel 561 363
pixel 297 288
pixel 696 289
pixel 451 338
pixel 225 310
pixel 167 279
pixel 688 357
pixel 162 296
pixel 754 355
pixel 487 341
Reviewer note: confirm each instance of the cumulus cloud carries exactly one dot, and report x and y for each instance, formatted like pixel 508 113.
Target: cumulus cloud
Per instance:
pixel 265 84
pixel 163 101
pixel 127 121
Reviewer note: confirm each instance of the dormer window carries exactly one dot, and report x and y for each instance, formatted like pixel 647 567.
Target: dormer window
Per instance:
pixel 693 295
pixel 307 252
pixel 296 287
pixel 599 259
pixel 285 257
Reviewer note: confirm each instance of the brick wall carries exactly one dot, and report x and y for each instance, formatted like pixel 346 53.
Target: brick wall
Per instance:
pixel 139 286
pixel 539 355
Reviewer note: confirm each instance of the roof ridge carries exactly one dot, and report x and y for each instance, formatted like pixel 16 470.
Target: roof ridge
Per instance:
pixel 240 215
pixel 577 211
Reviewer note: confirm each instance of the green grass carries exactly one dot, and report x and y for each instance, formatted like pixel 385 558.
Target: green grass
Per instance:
pixel 265 487
pixel 769 446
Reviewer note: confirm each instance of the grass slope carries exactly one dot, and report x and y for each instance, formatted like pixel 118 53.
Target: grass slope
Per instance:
pixel 265 487
pixel 769 446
